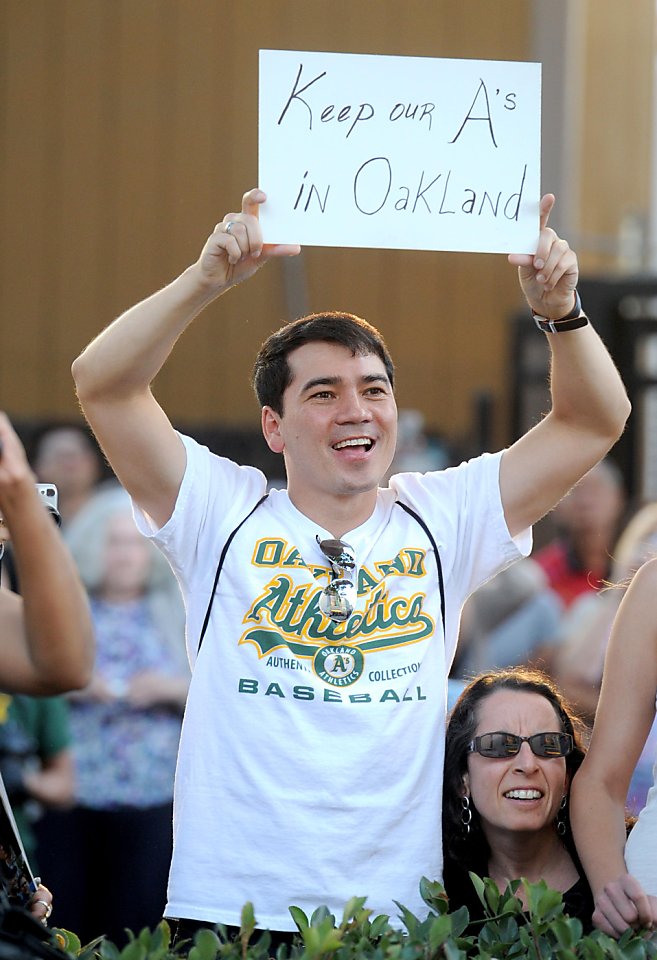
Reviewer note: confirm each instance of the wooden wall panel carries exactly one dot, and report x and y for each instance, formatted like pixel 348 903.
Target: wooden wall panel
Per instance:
pixel 130 127
pixel 618 63
pixel 26 151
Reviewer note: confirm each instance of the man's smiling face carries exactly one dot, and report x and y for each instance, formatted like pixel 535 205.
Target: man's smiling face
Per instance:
pixel 338 429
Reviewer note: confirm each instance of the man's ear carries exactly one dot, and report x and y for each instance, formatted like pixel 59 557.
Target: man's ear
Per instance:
pixel 271 423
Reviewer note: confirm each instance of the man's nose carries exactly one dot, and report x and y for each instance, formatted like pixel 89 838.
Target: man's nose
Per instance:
pixel 354 408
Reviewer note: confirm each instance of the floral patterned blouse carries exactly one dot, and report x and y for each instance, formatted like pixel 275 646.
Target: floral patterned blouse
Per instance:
pixel 125 756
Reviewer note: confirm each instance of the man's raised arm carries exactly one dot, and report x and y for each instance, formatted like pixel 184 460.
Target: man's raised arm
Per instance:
pixel 113 375
pixel 589 402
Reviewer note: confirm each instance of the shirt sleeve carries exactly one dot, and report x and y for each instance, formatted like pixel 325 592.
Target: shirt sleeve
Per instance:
pixel 215 495
pixel 463 508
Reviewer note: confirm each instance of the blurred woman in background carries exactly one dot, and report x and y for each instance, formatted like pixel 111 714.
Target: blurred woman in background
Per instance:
pixel 112 853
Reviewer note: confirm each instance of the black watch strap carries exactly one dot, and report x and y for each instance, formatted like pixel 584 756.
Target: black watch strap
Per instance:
pixel 572 321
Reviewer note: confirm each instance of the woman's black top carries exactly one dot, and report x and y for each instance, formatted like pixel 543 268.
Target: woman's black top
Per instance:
pixel 578 901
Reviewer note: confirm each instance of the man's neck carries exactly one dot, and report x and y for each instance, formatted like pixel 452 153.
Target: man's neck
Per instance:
pixel 337 514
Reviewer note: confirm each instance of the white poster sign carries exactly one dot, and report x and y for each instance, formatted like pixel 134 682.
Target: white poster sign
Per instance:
pixel 400 152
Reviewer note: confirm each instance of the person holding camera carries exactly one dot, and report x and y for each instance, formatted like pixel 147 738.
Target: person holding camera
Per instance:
pixel 47 635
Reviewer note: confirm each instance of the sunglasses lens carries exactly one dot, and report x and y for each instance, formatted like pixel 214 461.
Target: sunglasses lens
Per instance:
pixel 337 600
pixel 339 553
pixel 551 744
pixel 498 745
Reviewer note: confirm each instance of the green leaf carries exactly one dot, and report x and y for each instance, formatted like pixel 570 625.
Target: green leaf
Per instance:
pixel 410 920
pixel 353 908
pixel 247 922
pixel 66 940
pixel 439 931
pixel 321 913
pixel 379 925
pixel 460 921
pixel 478 884
pixel 133 951
pixel 299 918
pixel 108 951
pixel 508 927
pixel 491 895
pixel 206 945
pixel 433 894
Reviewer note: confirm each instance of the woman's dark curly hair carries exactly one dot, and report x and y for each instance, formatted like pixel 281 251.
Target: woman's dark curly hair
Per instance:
pixel 471 849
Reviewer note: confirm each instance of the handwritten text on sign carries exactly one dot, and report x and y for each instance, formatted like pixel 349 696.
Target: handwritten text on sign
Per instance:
pixel 399 152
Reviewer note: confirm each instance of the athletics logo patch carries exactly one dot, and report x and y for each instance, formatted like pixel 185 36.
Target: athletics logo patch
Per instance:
pixel 339 665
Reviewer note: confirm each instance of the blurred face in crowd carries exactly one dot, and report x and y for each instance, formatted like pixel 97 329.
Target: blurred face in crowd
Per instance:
pixel 127 559
pixel 596 502
pixel 66 458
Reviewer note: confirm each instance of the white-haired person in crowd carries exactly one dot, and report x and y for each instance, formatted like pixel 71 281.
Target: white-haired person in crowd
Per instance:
pixel 111 871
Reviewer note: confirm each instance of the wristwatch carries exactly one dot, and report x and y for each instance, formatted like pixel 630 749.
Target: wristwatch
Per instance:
pixel 572 321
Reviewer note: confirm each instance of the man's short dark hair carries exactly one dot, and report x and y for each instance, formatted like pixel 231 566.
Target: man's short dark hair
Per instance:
pixel 271 371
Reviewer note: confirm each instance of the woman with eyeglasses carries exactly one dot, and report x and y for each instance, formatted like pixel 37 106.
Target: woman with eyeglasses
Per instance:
pixel 512 750
pixel 623 877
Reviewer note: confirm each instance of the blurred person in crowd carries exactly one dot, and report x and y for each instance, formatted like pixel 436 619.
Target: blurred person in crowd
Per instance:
pixel 416 451
pixel 36 762
pixel 578 658
pixel 46 633
pixel 578 560
pixel 513 619
pixel 513 747
pixel 623 876
pixel 109 864
pixel 67 456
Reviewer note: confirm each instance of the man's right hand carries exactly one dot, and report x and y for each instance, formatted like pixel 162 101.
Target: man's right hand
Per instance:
pixel 235 250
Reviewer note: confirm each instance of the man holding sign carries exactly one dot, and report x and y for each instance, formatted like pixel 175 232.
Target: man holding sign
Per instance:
pixel 322 619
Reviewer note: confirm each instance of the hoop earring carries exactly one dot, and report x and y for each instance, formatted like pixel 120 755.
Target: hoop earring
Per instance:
pixel 561 820
pixel 466 814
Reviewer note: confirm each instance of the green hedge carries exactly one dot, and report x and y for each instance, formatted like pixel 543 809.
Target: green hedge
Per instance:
pixel 541 933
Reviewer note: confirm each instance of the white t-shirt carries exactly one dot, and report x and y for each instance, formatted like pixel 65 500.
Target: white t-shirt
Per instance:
pixel 641 848
pixel 310 764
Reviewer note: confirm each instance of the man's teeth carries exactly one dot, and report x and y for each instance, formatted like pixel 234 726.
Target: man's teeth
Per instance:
pixel 523 795
pixel 357 442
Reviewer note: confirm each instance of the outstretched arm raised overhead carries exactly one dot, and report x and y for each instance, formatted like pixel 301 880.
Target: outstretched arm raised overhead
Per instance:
pixel 589 402
pixel 626 711
pixel 113 375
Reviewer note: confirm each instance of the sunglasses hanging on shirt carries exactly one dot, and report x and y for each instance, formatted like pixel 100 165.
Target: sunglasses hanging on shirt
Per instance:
pixel 338 598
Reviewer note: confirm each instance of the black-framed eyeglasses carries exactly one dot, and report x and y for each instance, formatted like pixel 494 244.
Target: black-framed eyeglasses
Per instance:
pixel 338 598
pixel 500 744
